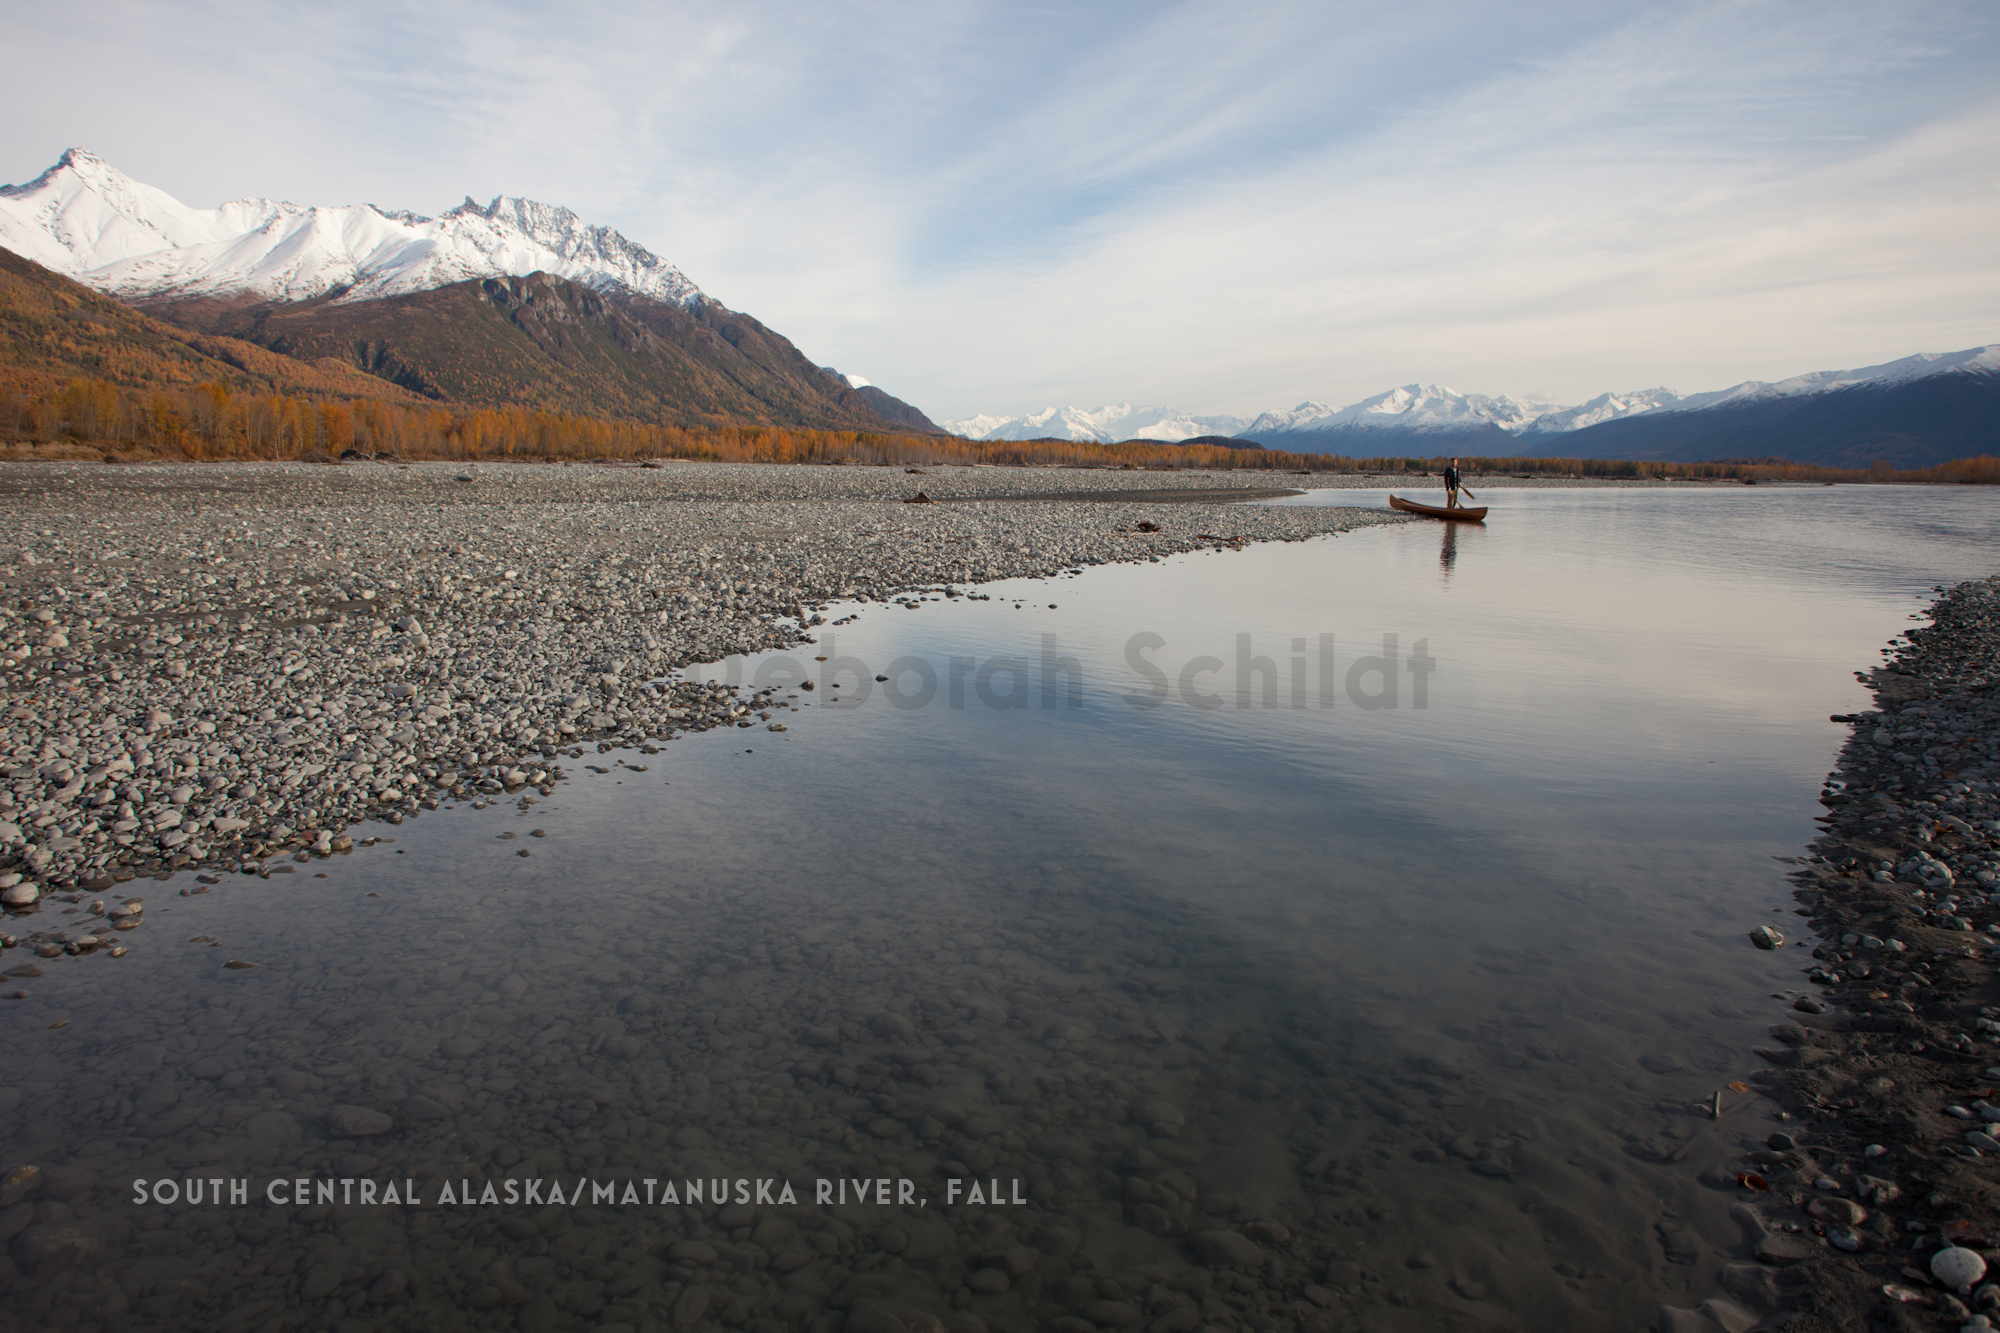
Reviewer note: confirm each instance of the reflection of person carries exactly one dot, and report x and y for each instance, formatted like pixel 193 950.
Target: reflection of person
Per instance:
pixel 1451 485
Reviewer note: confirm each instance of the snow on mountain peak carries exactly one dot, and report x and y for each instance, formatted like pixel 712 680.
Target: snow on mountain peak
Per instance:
pixel 1974 360
pixel 1604 407
pixel 1102 425
pixel 85 218
pixel 1410 407
pixel 1435 407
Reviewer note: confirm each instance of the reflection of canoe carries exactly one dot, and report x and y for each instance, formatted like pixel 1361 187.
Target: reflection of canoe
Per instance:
pixel 1438 511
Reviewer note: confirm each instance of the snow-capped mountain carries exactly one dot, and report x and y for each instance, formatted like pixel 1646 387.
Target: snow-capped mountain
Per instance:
pixel 1103 425
pixel 1412 407
pixel 1916 411
pixel 86 219
pixel 1974 360
pixel 1446 413
pixel 1604 407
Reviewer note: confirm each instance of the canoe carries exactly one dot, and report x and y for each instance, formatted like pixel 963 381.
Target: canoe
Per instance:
pixel 1438 511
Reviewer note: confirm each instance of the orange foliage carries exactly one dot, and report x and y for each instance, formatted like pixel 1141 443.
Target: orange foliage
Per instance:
pixel 211 421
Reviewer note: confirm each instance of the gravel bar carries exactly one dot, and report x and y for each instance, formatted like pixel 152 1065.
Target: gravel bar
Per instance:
pixel 1876 1196
pixel 208 666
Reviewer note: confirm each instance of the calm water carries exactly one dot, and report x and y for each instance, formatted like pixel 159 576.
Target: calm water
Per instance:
pixel 1159 908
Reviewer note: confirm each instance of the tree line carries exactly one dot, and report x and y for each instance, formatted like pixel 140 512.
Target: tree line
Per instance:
pixel 211 422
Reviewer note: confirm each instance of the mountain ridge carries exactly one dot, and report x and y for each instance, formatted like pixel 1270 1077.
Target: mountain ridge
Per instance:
pixel 54 330
pixel 547 342
pixel 514 302
pixel 1101 425
pixel 87 220
pixel 1941 392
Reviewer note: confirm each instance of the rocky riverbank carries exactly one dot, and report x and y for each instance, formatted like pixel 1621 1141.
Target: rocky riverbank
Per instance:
pixel 211 666
pixel 1877 1194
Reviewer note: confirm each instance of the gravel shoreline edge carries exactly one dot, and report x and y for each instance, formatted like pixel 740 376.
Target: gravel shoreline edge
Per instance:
pixel 1873 1204
pixel 222 668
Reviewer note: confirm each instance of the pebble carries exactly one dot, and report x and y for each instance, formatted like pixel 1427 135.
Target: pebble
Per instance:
pixel 358 1121
pixel 1958 1268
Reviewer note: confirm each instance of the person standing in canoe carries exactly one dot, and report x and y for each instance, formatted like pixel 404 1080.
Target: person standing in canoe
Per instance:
pixel 1451 485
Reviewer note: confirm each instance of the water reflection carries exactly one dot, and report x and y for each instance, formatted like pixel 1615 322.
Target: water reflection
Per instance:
pixel 1448 552
pixel 1347 1014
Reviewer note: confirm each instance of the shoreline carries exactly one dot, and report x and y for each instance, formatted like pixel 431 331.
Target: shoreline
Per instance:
pixel 217 666
pixel 1891 1058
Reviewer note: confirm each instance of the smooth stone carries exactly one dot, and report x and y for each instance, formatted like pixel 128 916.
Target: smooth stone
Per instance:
pixel 1782 1247
pixel 1958 1268
pixel 1226 1249
pixel 358 1121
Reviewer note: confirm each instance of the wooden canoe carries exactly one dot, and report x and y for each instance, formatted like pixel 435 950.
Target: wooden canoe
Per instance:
pixel 1438 511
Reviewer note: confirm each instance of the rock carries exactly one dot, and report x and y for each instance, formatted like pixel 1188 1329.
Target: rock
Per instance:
pixel 1780 1248
pixel 423 1108
pixel 988 1281
pixel 871 1316
pixel 358 1122
pixel 1805 1004
pixel 892 1027
pixel 1226 1249
pixel 388 1288
pixel 48 1248
pixel 1765 937
pixel 690 1306
pixel 20 895
pixel 1058 1239
pixel 1958 1268
pixel 1111 1314
pixel 540 1315
pixel 1844 1212
pixel 18 1184
pixel 692 1252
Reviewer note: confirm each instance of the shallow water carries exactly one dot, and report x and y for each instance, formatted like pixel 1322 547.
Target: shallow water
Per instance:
pixel 1422 1002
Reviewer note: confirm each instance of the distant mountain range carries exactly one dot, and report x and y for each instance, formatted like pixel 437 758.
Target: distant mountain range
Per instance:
pixel 1121 421
pixel 516 303
pixel 522 303
pixel 1915 412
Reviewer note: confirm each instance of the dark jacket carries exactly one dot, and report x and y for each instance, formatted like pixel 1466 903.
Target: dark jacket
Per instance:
pixel 1451 478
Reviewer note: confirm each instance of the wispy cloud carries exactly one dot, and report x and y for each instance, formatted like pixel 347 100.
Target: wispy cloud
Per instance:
pixel 990 206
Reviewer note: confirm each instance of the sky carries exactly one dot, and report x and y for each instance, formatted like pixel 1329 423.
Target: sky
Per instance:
pixel 1220 207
